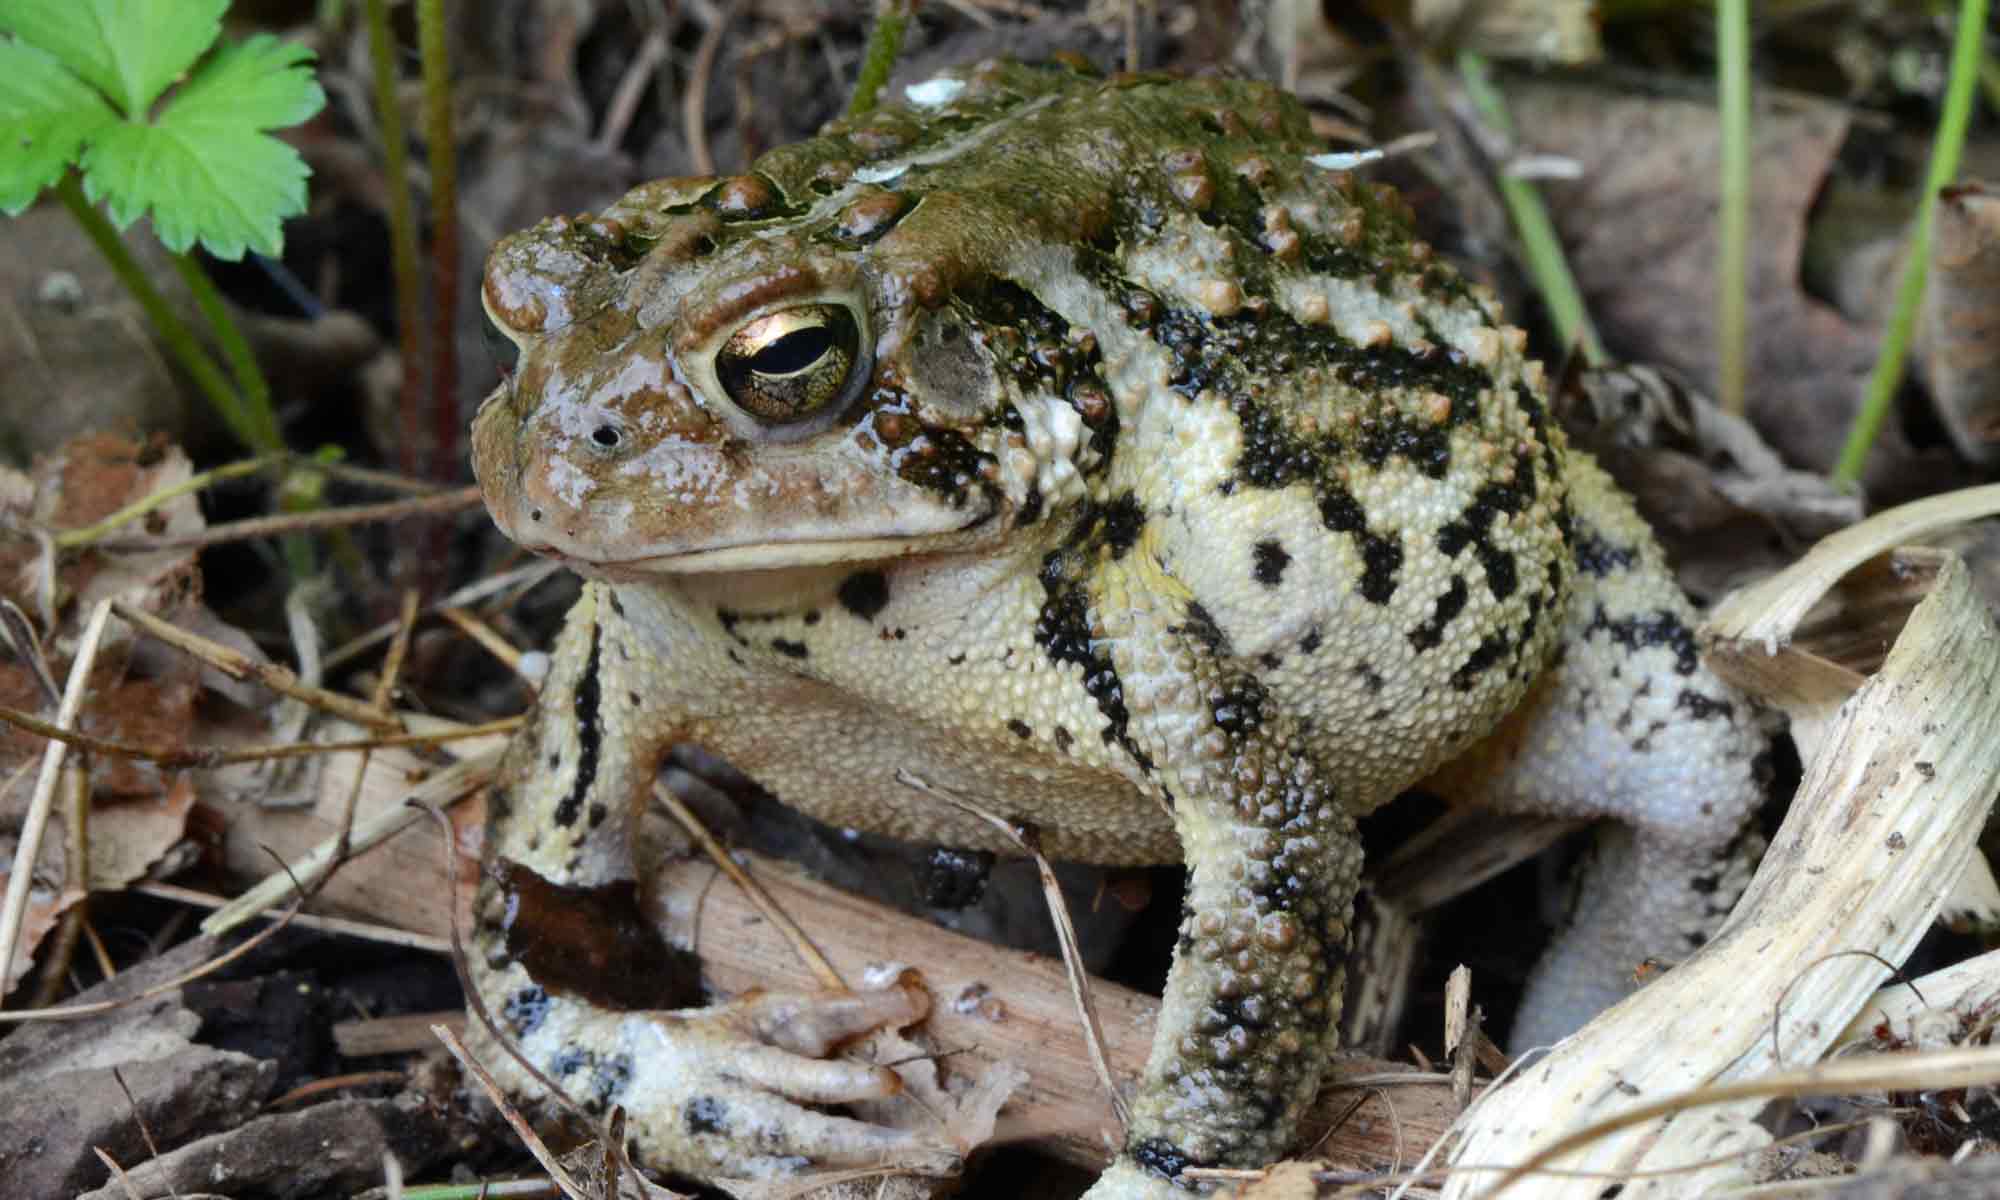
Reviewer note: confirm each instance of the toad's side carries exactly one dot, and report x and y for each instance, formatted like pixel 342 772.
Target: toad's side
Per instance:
pixel 1077 447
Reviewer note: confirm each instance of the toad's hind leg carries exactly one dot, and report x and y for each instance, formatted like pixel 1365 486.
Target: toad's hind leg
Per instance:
pixel 1627 725
pixel 1246 1021
pixel 575 976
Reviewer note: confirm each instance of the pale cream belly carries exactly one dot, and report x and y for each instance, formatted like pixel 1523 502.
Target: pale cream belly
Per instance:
pixel 846 766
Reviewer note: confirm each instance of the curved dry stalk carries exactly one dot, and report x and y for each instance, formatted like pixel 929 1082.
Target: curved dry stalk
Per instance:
pixel 14 907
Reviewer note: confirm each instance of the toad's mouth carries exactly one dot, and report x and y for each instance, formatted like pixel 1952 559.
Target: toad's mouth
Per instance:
pixel 771 555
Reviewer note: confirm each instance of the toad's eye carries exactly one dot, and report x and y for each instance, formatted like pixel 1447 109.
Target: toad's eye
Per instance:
pixel 787 366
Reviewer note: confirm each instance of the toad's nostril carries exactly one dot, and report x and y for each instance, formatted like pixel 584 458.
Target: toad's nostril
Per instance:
pixel 534 514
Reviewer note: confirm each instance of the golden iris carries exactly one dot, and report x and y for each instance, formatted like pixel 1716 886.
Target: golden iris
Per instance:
pixel 789 365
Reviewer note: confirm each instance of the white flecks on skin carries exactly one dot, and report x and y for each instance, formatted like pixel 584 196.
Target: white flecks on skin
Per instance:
pixel 565 479
pixel 523 290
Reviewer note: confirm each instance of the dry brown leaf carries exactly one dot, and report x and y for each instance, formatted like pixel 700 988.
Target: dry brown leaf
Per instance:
pixel 1959 350
pixel 1639 222
pixel 132 697
pixel 128 835
pixel 1726 507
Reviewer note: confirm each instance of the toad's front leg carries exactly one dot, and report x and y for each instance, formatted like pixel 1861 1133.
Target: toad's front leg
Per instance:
pixel 1247 1021
pixel 578 980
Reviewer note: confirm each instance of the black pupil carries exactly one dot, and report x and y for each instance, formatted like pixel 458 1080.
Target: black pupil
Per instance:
pixel 795 351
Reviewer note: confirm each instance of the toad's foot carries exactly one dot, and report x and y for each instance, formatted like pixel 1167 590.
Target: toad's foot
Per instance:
pixel 724 1091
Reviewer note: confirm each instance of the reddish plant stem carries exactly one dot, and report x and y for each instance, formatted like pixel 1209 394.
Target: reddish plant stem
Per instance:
pixel 444 238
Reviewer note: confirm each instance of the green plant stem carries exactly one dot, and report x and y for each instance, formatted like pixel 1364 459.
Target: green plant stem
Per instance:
pixel 1539 244
pixel 300 558
pixel 179 340
pixel 885 42
pixel 85 534
pixel 441 152
pixel 402 227
pixel 251 386
pixel 1945 148
pixel 1732 68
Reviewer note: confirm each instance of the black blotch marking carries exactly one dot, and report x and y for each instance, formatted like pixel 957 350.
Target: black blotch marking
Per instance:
pixel 812 616
pixel 864 593
pixel 1427 635
pixel 937 458
pixel 1240 710
pixel 1310 642
pixel 588 737
pixel 789 648
pixel 1220 354
pixel 1270 662
pixel 1482 658
pixel 632 699
pixel 729 619
pixel 1370 678
pixel 1428 447
pixel 1062 629
pixel 1501 575
pixel 1225 356
pixel 1202 628
pixel 616 607
pixel 1162 1157
pixel 956 660
pixel 1538 422
pixel 525 1010
pixel 1020 728
pixel 706 1114
pixel 1031 507
pixel 555 759
pixel 1701 707
pixel 1474 526
pixel 1596 555
pixel 1269 561
pixel 1120 520
pixel 609 1078
pixel 1381 557
pixel 598 811
pixel 1064 739
pixel 1660 628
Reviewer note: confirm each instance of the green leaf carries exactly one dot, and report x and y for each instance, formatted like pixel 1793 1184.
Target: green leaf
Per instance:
pixel 46 113
pixel 205 168
pixel 128 49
